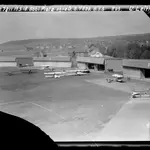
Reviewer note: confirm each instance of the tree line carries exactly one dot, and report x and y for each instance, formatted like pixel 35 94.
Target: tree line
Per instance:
pixel 130 51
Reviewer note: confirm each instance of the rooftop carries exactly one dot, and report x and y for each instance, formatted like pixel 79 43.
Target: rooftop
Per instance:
pixel 137 63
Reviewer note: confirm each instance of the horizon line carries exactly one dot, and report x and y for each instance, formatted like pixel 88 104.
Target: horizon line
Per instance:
pixel 75 38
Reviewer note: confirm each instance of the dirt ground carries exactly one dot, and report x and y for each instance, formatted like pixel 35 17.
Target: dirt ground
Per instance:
pixel 68 108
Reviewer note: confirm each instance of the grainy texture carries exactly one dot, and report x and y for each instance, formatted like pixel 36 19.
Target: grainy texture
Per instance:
pixel 68 108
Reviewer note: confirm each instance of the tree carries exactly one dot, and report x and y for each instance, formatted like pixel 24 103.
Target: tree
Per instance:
pixel 133 51
pixel 37 54
pixel 114 52
pixel 44 53
pixel 145 55
pixel 73 58
pixel 29 48
pixel 111 51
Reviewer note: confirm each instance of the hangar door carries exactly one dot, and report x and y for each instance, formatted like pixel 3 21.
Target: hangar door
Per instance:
pixel 116 65
pixel 132 72
pixel 145 73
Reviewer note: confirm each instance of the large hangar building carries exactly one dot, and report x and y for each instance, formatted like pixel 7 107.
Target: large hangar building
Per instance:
pixel 139 69
pixel 136 68
pixel 102 63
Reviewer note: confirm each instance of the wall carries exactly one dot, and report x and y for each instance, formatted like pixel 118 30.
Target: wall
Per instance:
pixel 91 60
pixel 114 64
pixel 82 65
pixel 53 64
pixel 132 72
pixel 58 64
pixel 142 73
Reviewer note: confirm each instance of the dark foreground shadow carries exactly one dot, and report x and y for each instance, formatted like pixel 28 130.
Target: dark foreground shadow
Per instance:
pixel 19 133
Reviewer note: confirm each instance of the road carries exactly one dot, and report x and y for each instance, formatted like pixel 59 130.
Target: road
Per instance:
pixel 67 109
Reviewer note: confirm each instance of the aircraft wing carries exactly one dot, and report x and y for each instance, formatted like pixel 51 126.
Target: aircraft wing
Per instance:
pixel 117 75
pixel 58 72
pixel 81 73
pixel 49 73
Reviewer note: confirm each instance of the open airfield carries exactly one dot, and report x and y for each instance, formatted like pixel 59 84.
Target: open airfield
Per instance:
pixel 64 108
pixel 68 109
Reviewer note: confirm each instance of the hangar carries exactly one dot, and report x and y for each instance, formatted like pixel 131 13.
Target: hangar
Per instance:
pixel 136 68
pixel 102 63
pixel 114 64
pixel 129 67
pixel 93 63
pixel 23 61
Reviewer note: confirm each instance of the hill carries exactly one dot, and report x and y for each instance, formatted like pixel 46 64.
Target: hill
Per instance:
pixel 106 45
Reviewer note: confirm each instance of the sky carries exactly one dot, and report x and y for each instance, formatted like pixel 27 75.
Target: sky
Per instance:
pixel 19 26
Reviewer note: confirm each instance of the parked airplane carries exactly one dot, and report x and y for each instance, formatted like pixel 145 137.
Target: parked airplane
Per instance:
pixel 79 73
pixel 54 74
pixel 22 69
pixel 142 93
pixel 116 78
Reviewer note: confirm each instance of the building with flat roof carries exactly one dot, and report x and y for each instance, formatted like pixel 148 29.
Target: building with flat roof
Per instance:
pixel 134 68
pixel 137 68
pixel 102 63
pixel 23 61
pixel 114 64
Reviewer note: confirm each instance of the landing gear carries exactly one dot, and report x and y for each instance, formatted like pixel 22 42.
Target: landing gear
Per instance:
pixel 109 80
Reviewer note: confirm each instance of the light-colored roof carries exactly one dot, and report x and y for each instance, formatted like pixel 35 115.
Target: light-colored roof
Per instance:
pixel 137 63
pixel 91 60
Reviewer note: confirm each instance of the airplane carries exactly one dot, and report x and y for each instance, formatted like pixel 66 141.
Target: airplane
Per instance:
pixel 57 74
pixel 22 69
pixel 77 72
pixel 142 93
pixel 54 74
pixel 83 71
pixel 116 77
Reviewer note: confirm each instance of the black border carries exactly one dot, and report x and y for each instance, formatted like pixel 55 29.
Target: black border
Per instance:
pixel 105 144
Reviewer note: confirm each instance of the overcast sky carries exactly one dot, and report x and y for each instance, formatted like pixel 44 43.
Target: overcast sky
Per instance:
pixel 18 26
